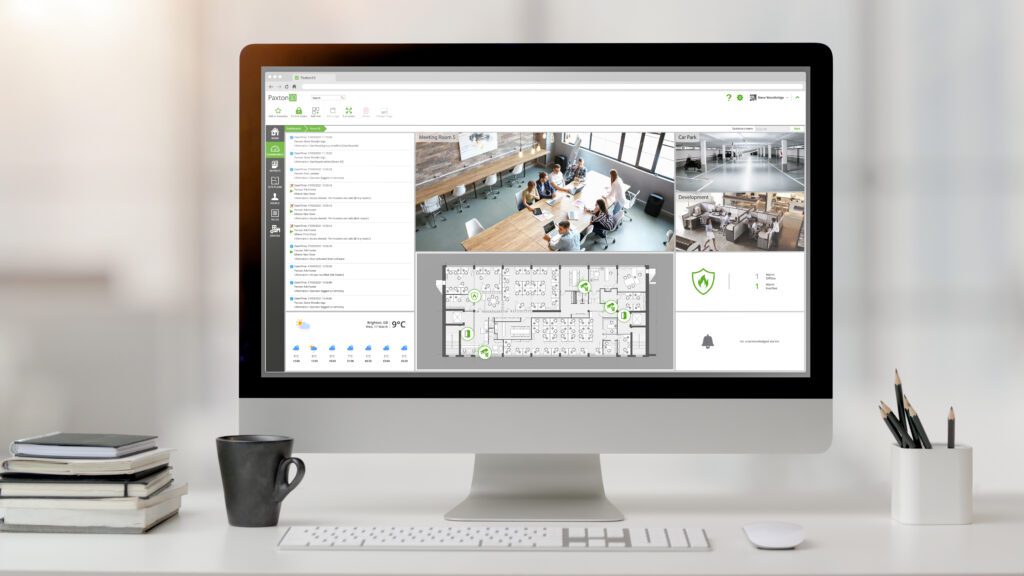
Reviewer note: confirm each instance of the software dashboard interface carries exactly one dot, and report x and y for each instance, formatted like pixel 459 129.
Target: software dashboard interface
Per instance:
pixel 596 222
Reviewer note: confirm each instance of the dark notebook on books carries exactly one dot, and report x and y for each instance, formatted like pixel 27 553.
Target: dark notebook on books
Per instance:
pixel 71 445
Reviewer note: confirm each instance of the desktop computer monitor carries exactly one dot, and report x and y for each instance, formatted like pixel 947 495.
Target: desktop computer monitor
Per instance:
pixel 537 254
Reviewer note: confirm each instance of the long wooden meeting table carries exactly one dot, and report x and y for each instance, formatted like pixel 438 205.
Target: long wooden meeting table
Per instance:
pixel 524 232
pixel 442 186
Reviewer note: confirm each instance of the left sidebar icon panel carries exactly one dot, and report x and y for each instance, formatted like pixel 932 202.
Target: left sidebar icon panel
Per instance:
pixel 273 217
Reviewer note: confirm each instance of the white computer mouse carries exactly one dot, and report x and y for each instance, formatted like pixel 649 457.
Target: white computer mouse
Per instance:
pixel 774 535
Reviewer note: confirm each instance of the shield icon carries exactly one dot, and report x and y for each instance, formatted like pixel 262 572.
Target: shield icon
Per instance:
pixel 703 280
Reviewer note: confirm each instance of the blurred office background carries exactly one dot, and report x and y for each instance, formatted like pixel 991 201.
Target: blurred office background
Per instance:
pixel 118 186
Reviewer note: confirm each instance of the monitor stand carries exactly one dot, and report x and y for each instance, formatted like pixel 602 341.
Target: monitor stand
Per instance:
pixel 536 487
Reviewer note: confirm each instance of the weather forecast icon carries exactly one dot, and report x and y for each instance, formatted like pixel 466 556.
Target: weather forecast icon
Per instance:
pixel 387 347
pixel 368 348
pixel 332 348
pixel 296 347
pixel 350 348
pixel 404 347
pixel 313 348
pixel 303 325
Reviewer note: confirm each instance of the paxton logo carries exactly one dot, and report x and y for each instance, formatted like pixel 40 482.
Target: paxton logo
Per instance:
pixel 282 98
pixel 703 280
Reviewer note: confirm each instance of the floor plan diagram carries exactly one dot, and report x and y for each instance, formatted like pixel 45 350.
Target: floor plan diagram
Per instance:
pixel 545 311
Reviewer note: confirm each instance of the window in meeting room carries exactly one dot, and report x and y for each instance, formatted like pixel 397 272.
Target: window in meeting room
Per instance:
pixel 526 192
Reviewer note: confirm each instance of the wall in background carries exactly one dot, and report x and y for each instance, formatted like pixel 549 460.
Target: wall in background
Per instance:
pixel 443 159
pixel 118 262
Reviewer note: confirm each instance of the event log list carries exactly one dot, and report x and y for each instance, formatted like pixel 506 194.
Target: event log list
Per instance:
pixel 349 241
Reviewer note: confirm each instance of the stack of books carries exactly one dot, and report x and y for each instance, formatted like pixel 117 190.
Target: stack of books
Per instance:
pixel 107 483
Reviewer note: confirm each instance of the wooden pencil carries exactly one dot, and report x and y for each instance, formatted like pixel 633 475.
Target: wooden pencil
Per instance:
pixel 915 424
pixel 892 429
pixel 915 438
pixel 951 429
pixel 904 437
pixel 901 413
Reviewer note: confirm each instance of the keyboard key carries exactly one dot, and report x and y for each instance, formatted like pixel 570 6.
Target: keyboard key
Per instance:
pixel 698 539
pixel 650 538
pixel 677 538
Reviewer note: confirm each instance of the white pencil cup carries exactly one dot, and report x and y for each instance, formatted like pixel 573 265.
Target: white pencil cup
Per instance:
pixel 932 486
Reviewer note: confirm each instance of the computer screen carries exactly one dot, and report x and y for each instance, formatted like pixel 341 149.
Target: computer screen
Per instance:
pixel 544 222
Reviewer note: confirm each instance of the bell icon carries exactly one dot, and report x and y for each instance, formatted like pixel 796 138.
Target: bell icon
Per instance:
pixel 708 342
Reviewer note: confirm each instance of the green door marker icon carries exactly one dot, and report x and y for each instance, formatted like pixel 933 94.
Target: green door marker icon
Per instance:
pixel 624 315
pixel 467 333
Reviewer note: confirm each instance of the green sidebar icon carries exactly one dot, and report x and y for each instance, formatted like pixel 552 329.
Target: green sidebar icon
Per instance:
pixel 275 149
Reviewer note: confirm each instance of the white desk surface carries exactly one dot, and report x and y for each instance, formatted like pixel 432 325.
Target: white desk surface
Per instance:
pixel 843 537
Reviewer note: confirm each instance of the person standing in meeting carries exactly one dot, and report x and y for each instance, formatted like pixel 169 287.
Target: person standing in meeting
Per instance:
pixel 617 190
pixel 568 241
pixel 530 194
pixel 576 172
pixel 557 179
pixel 544 187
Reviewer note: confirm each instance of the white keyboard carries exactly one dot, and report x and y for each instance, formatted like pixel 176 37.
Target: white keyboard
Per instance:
pixel 478 537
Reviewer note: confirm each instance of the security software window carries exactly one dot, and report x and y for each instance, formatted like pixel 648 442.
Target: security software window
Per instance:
pixel 545 221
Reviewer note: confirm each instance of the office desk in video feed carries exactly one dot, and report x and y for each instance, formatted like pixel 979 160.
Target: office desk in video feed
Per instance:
pixel 524 232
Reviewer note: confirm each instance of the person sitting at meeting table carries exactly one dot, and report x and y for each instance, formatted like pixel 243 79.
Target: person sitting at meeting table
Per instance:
pixel 530 195
pixel 603 220
pixel 576 172
pixel 557 179
pixel 568 241
pixel 544 187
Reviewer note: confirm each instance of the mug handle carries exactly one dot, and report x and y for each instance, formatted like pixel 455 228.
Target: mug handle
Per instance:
pixel 283 486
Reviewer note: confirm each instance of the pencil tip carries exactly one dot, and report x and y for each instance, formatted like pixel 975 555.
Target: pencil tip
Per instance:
pixel 898 381
pixel 885 407
pixel 906 402
pixel 952 416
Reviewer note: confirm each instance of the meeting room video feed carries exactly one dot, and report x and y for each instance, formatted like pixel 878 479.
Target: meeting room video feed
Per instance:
pixel 739 222
pixel 544 192
pixel 740 161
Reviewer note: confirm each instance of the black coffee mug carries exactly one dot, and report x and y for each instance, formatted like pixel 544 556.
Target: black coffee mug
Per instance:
pixel 254 472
